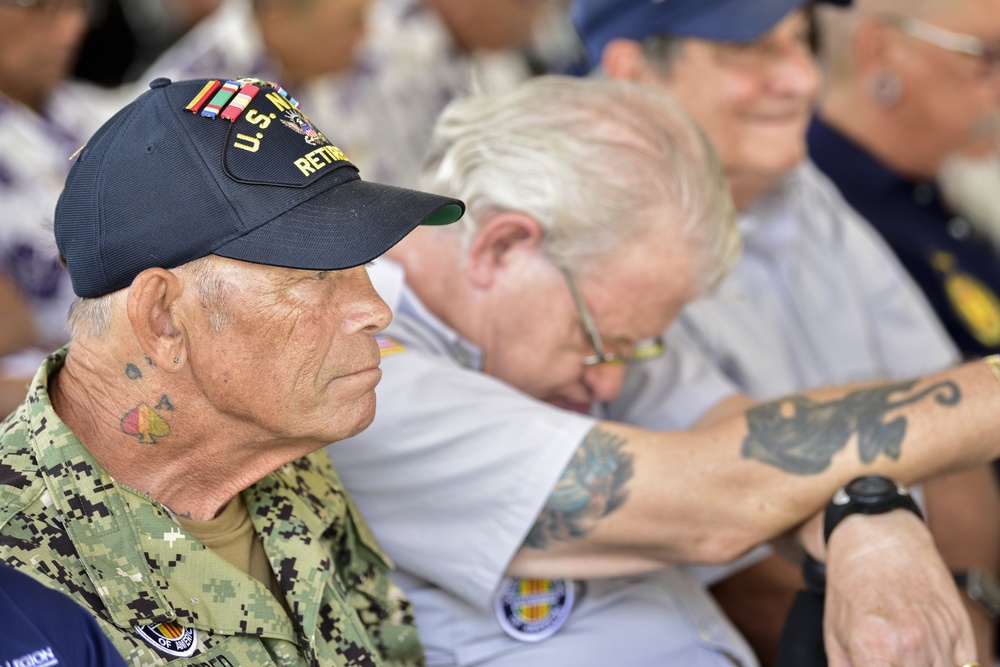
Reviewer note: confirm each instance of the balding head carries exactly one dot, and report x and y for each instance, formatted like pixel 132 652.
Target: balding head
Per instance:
pixel 913 81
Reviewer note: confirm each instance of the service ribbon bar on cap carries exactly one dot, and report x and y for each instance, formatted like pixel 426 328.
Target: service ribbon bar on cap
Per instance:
pixel 221 97
pixel 195 105
pixel 284 93
pixel 240 102
pixel 270 84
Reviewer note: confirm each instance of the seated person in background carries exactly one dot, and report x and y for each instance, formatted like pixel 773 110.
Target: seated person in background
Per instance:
pixel 127 35
pixel 17 332
pixel 379 71
pixel 817 298
pixel 528 532
pixel 164 470
pixel 909 85
pixel 968 183
pixel 40 626
pixel 44 118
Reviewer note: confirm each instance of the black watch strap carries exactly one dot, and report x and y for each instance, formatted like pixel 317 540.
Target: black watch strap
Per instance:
pixel 871 494
pixel 814 575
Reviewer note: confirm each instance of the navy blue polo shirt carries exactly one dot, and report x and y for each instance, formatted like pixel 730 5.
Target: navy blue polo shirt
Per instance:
pixel 958 270
pixel 41 627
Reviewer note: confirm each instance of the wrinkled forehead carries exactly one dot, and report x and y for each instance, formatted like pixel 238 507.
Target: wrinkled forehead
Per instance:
pixel 656 266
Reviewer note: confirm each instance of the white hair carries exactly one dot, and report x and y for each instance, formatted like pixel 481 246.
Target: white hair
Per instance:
pixel 590 160
pixel 91 318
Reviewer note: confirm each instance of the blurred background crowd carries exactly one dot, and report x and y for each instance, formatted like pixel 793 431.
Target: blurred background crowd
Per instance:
pixel 376 72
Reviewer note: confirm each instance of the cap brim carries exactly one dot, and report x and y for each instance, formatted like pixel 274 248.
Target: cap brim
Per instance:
pixel 344 226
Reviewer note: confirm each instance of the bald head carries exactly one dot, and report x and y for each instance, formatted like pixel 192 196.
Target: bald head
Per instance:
pixel 913 81
pixel 838 25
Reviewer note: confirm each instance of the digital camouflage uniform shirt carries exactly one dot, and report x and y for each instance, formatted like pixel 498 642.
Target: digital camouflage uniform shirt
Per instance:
pixel 161 595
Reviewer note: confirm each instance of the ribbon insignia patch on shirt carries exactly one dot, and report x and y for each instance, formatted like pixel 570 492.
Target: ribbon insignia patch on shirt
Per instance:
pixel 531 610
pixel 170 638
pixel 388 345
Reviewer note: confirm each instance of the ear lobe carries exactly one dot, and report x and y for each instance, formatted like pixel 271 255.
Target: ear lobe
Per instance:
pixel 152 301
pixel 623 59
pixel 502 243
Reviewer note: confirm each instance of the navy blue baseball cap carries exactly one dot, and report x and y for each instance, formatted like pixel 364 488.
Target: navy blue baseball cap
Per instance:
pixel 227 167
pixel 600 21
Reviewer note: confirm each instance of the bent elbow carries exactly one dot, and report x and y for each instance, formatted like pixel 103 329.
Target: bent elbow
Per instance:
pixel 720 546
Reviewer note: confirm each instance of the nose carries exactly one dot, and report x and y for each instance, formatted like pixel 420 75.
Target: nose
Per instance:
pixel 796 71
pixel 604 380
pixel 367 311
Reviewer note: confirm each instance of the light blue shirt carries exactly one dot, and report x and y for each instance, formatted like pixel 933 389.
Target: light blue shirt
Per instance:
pixel 451 477
pixel 816 299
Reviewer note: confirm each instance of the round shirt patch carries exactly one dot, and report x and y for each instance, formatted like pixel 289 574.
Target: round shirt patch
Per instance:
pixel 531 610
pixel 170 638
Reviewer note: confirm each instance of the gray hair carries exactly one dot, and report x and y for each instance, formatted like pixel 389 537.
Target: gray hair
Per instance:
pixel 582 157
pixel 662 51
pixel 91 318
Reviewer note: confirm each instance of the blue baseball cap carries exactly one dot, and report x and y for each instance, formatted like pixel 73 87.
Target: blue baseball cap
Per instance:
pixel 227 167
pixel 600 21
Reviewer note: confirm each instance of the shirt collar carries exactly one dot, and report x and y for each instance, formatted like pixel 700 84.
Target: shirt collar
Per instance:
pixel 848 163
pixel 389 279
pixel 101 515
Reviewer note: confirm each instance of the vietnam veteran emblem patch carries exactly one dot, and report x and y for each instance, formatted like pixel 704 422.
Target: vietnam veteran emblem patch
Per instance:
pixel 531 610
pixel 170 638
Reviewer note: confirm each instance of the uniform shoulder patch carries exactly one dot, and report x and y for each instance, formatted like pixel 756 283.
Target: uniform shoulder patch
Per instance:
pixel 170 638
pixel 388 345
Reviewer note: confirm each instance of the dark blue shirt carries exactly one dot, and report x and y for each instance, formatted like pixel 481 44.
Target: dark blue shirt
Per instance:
pixel 41 627
pixel 957 270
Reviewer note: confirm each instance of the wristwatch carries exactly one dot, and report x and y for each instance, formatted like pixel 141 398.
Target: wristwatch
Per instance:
pixel 871 494
pixel 982 587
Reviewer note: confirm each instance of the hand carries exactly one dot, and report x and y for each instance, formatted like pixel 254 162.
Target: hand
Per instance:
pixel 890 599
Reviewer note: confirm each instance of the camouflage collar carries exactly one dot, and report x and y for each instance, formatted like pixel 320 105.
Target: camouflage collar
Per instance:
pixel 146 569
pixel 143 566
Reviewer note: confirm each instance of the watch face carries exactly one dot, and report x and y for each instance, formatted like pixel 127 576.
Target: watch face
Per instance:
pixel 871 486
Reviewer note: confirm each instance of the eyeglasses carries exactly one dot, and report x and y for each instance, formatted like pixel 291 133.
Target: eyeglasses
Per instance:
pixel 949 40
pixel 643 350
pixel 52 7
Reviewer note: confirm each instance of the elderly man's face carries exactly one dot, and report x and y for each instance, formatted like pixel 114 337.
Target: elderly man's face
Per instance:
pixel 754 100
pixel 297 356
pixel 951 100
pixel 38 46
pixel 492 24
pixel 538 341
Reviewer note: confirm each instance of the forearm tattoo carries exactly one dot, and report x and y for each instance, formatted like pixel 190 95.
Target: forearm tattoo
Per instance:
pixel 801 436
pixel 591 487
